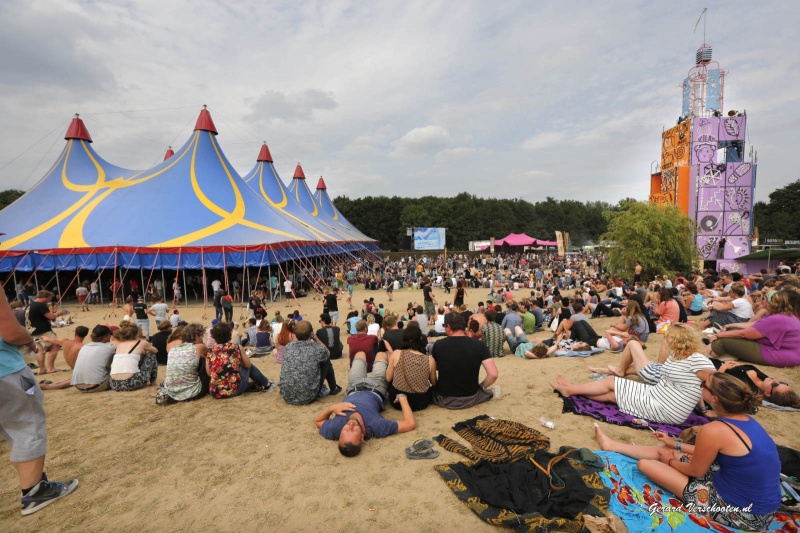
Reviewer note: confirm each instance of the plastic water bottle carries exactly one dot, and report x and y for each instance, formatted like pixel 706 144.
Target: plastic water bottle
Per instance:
pixel 547 423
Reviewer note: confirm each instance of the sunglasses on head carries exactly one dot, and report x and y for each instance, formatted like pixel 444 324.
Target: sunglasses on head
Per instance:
pixel 778 383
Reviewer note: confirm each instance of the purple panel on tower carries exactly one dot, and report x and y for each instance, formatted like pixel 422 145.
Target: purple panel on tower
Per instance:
pixel 732 128
pixel 739 175
pixel 710 222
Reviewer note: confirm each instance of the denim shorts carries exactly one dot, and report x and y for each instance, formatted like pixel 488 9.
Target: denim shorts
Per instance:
pixel 22 419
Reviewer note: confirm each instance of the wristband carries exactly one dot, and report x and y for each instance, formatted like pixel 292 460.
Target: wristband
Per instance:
pixel 678 445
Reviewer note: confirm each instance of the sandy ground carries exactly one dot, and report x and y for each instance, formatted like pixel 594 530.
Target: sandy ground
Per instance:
pixel 256 463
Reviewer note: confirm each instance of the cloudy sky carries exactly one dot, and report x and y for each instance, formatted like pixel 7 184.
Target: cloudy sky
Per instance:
pixel 499 99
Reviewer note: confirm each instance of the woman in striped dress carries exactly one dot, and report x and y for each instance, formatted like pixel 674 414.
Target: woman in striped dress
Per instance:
pixel 672 399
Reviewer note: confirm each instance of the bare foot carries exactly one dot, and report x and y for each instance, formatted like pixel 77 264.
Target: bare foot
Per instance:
pixel 597 370
pixel 562 380
pixel 603 440
pixel 613 370
pixel 561 388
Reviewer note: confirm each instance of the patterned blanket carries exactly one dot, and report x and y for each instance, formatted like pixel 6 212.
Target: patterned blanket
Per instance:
pixel 640 504
pixel 495 440
pixel 520 496
pixel 609 412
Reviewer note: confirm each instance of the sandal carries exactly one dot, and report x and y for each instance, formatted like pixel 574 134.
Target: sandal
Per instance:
pixel 420 445
pixel 423 454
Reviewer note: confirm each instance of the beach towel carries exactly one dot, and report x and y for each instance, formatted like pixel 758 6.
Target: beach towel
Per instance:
pixel 776 407
pixel 573 353
pixel 609 412
pixel 495 440
pixel 520 496
pixel 633 496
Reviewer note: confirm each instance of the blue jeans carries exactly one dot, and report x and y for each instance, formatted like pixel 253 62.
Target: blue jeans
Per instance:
pixel 253 372
pixel 218 312
pixel 514 342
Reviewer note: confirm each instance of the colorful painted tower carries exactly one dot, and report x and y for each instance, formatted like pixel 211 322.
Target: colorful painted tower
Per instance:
pixel 703 170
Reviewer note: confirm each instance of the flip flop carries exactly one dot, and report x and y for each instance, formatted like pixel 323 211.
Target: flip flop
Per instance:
pixel 424 454
pixel 420 445
pixel 45 382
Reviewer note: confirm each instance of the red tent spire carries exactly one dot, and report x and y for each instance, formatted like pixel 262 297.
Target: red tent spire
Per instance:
pixel 264 154
pixel 321 184
pixel 77 130
pixel 298 172
pixel 169 153
pixel 204 122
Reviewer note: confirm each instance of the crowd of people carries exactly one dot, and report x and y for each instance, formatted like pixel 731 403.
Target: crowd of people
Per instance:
pixel 399 360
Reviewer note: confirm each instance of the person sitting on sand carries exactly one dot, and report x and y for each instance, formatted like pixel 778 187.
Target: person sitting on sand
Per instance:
pixel 729 310
pixel 91 370
pixel 672 399
pixel 772 340
pixel 71 347
pixel 633 360
pixel 134 365
pixel 358 417
pixel 186 377
pixel 229 368
pixel 633 325
pixel 458 362
pixel 306 365
pixel 733 469
pixel 411 371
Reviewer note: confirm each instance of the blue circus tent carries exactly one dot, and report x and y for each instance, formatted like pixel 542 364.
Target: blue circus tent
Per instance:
pixel 190 211
pixel 265 181
pixel 331 217
pixel 329 210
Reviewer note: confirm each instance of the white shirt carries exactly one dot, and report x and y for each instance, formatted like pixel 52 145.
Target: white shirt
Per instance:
pixel 287 286
pixel 216 284
pixel 742 308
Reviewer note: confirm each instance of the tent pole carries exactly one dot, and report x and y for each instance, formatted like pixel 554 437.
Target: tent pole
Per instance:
pixel 163 286
pixel 36 280
pixel 14 274
pixel 142 288
pixel 269 282
pixel 185 288
pixel 58 286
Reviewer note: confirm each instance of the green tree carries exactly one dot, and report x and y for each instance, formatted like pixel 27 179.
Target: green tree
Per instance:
pixel 663 239
pixel 9 196
pixel 777 218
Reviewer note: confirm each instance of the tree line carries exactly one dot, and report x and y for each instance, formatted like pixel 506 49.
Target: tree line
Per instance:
pixel 469 218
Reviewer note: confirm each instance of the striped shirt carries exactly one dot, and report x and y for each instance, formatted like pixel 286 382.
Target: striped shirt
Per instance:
pixel 672 399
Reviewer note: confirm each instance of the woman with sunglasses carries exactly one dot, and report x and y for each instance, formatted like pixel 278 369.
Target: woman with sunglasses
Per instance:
pixel 732 472
pixel 777 392
pixel 773 340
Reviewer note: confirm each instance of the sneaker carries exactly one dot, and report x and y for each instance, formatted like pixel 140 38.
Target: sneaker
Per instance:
pixel 271 387
pixel 324 391
pixel 495 391
pixel 45 493
pixel 336 390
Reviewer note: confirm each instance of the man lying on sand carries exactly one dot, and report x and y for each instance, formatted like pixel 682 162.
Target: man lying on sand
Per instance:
pixel 365 398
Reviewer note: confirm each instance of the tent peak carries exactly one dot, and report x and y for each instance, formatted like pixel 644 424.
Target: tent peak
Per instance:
pixel 204 122
pixel 298 173
pixel 77 130
pixel 264 154
pixel 321 184
pixel 169 153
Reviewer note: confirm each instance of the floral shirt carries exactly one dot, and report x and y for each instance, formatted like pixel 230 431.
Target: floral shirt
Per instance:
pixel 225 361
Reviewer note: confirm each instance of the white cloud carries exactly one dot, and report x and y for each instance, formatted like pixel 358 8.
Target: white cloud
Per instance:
pixel 452 96
pixel 421 142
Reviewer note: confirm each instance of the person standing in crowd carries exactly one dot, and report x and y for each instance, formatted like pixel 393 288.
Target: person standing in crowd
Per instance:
pixel 22 417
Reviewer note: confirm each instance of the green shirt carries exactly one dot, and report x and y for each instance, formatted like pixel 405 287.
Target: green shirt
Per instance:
pixel 528 322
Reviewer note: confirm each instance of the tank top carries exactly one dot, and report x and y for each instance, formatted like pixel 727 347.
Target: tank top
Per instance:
pixel 412 372
pixel 761 468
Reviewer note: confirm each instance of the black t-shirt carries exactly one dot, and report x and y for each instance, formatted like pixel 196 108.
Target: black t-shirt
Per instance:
pixel 458 361
pixel 395 338
pixel 331 302
pixel 36 315
pixel 217 299
pixel 159 341
pixel 141 310
pixel 329 336
pixel 427 293
pixel 740 373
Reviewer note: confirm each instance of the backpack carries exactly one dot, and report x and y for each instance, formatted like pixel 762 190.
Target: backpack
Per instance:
pixel 226 302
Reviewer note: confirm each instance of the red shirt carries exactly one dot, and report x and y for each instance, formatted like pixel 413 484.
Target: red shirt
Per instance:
pixel 362 342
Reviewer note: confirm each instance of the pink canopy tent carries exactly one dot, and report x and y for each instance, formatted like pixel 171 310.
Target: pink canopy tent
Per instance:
pixel 521 239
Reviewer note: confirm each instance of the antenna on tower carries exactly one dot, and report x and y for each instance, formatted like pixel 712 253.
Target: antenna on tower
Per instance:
pixel 702 16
